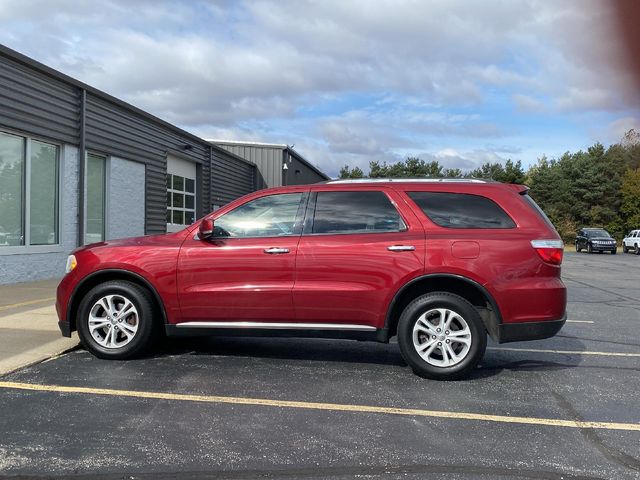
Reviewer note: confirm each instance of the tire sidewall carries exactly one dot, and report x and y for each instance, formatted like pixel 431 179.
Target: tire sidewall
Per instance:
pixel 145 318
pixel 459 305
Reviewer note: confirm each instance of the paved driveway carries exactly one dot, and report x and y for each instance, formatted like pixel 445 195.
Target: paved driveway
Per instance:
pixel 566 407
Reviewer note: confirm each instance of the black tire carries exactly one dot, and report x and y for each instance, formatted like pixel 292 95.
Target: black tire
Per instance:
pixel 578 249
pixel 589 248
pixel 423 304
pixel 147 330
pixel 624 248
pixel 613 252
pixel 637 250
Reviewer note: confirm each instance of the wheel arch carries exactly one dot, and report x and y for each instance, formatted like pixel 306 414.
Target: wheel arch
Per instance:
pixel 106 275
pixel 467 288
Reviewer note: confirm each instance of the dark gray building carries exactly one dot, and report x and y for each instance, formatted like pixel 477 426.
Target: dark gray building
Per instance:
pixel 277 164
pixel 79 166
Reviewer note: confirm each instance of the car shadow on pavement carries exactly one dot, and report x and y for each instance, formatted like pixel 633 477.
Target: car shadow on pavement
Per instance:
pixel 348 351
pixel 498 357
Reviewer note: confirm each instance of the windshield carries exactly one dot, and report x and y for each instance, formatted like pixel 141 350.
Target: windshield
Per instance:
pixel 598 233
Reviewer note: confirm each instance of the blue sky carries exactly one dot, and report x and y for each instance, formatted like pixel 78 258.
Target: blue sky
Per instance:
pixel 351 82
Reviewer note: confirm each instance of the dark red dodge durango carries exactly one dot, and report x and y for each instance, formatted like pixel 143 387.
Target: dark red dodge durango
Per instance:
pixel 439 263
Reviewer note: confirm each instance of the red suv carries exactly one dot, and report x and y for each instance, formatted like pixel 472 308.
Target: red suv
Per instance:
pixel 439 263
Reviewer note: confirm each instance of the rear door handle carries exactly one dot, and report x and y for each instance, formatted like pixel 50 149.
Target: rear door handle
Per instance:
pixel 276 250
pixel 401 248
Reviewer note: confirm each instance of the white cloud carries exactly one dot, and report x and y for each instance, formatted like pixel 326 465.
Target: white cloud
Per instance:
pixel 616 129
pixel 264 70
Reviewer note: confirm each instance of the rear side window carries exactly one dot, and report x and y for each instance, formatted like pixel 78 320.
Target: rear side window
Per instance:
pixel 461 210
pixel 355 212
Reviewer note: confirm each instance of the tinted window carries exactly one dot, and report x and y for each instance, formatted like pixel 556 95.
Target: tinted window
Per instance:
pixel 461 210
pixel 355 212
pixel 270 216
pixel 598 233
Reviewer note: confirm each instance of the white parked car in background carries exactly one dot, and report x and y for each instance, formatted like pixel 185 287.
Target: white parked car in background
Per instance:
pixel 632 242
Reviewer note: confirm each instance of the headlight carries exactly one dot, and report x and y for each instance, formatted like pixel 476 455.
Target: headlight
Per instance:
pixel 71 263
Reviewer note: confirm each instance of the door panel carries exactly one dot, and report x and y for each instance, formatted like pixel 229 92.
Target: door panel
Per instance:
pixel 351 278
pixel 247 271
pixel 234 279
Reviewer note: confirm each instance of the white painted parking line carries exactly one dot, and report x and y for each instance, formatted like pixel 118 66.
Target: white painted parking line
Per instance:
pixel 336 407
pixel 580 321
pixel 565 352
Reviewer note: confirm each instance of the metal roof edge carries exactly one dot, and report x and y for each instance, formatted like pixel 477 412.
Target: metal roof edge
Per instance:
pixel 247 143
pixel 306 162
pixel 282 146
pixel 231 154
pixel 51 72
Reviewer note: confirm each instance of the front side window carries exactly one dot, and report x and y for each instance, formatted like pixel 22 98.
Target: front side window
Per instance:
pixel 270 216
pixel 461 210
pixel 355 212
pixel 181 200
pixel 29 179
pixel 95 198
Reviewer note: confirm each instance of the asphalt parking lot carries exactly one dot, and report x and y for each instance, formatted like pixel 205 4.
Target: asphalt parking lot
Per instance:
pixel 566 407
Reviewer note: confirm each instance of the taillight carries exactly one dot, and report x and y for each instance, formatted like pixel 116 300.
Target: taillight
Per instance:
pixel 550 251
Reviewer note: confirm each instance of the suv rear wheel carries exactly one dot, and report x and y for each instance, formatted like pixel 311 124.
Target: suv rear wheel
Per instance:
pixel 115 320
pixel 441 336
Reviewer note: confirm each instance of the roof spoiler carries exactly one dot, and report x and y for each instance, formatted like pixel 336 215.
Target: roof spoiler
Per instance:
pixel 520 189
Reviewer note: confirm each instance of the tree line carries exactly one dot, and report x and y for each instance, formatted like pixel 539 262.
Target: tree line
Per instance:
pixel 596 187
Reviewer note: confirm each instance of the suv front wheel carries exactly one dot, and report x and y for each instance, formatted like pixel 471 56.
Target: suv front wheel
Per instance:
pixel 115 320
pixel 441 336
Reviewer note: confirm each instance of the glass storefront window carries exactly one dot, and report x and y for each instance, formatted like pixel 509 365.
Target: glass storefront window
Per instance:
pixel 29 191
pixel 12 166
pixel 95 198
pixel 43 223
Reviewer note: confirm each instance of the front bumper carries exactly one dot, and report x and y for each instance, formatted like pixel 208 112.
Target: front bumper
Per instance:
pixel 603 248
pixel 523 331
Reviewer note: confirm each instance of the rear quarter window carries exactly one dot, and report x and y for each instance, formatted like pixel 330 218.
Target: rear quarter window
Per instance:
pixel 461 210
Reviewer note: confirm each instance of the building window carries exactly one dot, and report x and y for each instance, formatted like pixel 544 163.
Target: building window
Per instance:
pixel 29 191
pixel 95 198
pixel 181 200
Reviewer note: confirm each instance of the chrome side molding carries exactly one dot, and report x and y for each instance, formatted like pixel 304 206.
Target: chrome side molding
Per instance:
pixel 277 326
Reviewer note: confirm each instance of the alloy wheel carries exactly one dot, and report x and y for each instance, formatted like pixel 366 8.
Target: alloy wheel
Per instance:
pixel 442 337
pixel 113 321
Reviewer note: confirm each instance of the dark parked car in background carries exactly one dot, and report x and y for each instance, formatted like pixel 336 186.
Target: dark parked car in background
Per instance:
pixel 595 240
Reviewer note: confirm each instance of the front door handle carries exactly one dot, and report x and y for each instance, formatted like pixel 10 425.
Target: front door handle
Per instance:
pixel 276 250
pixel 401 248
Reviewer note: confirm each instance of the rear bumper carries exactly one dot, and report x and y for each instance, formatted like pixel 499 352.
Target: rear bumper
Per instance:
pixel 517 332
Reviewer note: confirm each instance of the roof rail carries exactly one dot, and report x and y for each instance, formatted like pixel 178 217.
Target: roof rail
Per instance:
pixel 421 180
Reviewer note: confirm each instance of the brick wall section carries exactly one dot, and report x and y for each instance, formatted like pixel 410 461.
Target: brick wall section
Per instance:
pixel 126 196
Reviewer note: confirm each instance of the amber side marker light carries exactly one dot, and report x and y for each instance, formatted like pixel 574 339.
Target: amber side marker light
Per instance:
pixel 550 251
pixel 71 263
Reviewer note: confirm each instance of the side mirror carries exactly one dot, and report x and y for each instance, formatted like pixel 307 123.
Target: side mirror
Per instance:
pixel 205 231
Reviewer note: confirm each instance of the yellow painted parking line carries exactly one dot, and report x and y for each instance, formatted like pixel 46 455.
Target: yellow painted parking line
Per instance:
pixel 566 352
pixel 580 321
pixel 24 304
pixel 337 407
